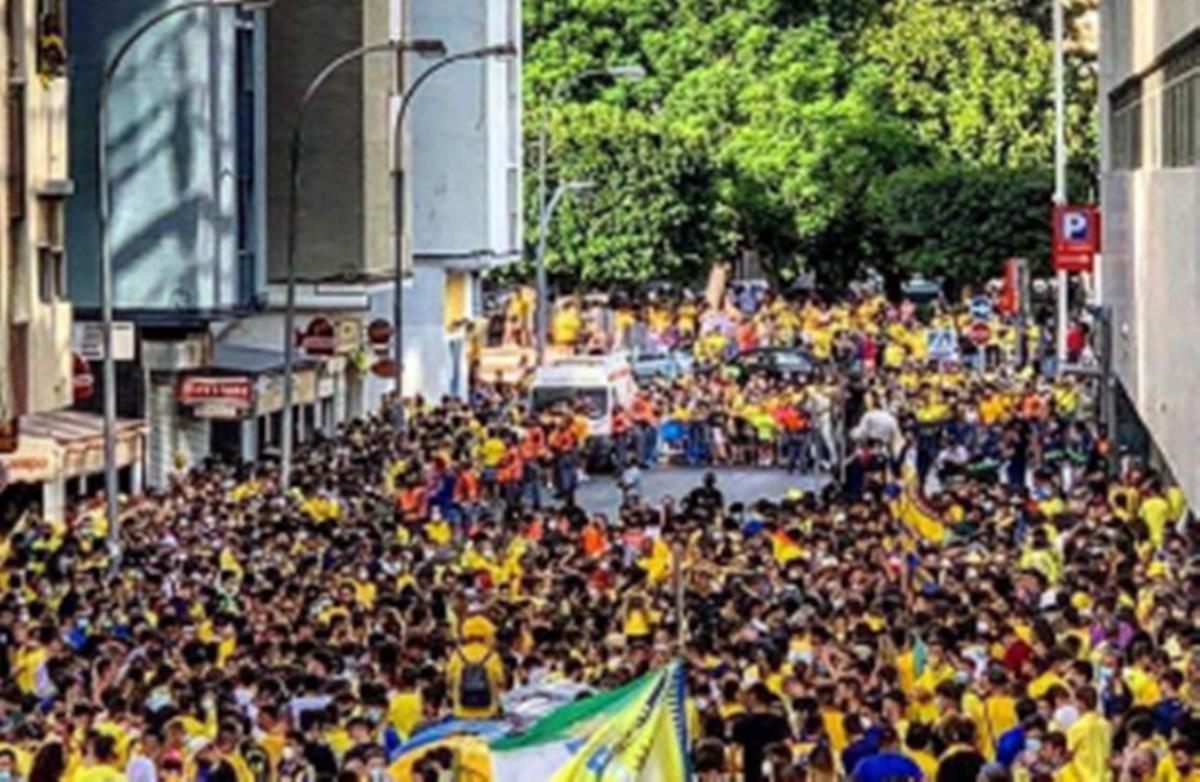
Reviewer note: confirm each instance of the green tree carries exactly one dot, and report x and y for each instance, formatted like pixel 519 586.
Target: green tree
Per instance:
pixel 652 213
pixel 958 222
pixel 777 127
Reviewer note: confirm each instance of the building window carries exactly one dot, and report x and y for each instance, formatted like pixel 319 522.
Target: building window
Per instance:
pixel 52 39
pixel 1125 128
pixel 16 151
pixel 1181 122
pixel 15 28
pixel 52 275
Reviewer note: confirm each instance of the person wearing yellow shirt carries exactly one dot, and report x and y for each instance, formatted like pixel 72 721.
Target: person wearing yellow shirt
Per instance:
pixel 1089 739
pixel 15 761
pixel 918 744
pixel 102 763
pixel 1055 754
pixel 566 325
pixel 1155 511
pixel 475 672
pixel 1178 765
pixel 405 706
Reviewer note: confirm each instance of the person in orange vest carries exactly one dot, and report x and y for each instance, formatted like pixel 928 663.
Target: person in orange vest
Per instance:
pixel 413 500
pixel 646 419
pixel 509 474
pixel 466 492
pixel 533 455
pixel 622 427
pixel 563 446
pixel 593 539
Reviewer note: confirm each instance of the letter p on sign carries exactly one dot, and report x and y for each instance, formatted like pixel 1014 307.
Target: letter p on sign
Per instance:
pixel 1076 237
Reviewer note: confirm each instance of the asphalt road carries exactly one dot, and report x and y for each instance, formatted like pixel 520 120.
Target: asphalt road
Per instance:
pixel 746 485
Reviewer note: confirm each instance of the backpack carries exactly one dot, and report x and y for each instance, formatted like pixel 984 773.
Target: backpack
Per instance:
pixel 474 683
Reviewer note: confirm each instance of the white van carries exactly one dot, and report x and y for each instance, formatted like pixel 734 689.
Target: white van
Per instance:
pixel 599 382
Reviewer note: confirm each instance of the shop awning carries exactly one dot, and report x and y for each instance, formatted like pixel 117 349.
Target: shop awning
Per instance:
pixel 66 444
pixel 253 361
pixel 73 427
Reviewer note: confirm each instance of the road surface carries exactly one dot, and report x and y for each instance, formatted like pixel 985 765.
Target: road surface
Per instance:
pixel 746 485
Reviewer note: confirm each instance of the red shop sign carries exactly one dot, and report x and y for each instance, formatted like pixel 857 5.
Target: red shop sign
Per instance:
pixel 233 390
pixel 83 382
pixel 319 339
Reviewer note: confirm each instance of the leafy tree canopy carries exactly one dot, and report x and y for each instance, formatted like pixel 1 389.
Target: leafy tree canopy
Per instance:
pixel 781 128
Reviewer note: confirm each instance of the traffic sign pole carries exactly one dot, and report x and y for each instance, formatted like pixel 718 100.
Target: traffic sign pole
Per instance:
pixel 1060 165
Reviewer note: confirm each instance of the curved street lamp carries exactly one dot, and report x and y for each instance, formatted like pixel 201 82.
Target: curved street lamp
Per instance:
pixel 399 214
pixel 630 71
pixel 111 484
pixel 560 192
pixel 425 47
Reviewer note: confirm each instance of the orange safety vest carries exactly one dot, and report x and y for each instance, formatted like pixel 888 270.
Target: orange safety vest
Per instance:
pixel 562 440
pixel 533 445
pixel 509 470
pixel 412 501
pixel 642 409
pixel 466 488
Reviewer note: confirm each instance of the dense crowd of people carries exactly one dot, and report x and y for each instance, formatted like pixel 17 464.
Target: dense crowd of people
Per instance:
pixel 974 597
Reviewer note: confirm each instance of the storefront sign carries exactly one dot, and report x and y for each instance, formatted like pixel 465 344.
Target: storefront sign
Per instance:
pixel 349 336
pixel 237 390
pixel 384 368
pixel 34 462
pixel 88 341
pixel 83 383
pixel 379 332
pixel 319 339
pixel 1076 237
pixel 270 391
pixel 222 411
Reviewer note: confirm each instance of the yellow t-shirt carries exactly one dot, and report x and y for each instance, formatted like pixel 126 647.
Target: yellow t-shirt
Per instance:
pixel 565 326
pixel 404 711
pixel 492 451
pixel 98 773
pixel 1156 513
pixel 1090 741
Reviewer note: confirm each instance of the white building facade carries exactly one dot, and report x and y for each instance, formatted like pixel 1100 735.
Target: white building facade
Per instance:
pixel 1150 196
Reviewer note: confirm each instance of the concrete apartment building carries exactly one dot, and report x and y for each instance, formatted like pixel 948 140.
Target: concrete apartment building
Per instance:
pixel 463 175
pixel 201 115
pixel 185 170
pixel 42 449
pixel 1150 195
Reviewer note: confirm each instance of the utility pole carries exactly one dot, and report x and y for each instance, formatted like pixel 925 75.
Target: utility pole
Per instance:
pixel 1060 171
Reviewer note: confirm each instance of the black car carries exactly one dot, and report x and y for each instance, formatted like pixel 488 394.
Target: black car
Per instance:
pixel 787 363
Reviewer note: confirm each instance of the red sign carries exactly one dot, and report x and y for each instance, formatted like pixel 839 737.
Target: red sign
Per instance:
pixel 232 390
pixel 319 339
pixel 10 435
pixel 83 383
pixel 979 333
pixel 384 368
pixel 379 332
pixel 1076 237
pixel 1010 296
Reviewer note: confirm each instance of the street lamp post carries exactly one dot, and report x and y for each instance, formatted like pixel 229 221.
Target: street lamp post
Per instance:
pixel 543 235
pixel 615 72
pixel 111 484
pixel 1060 172
pixel 399 209
pixel 421 46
